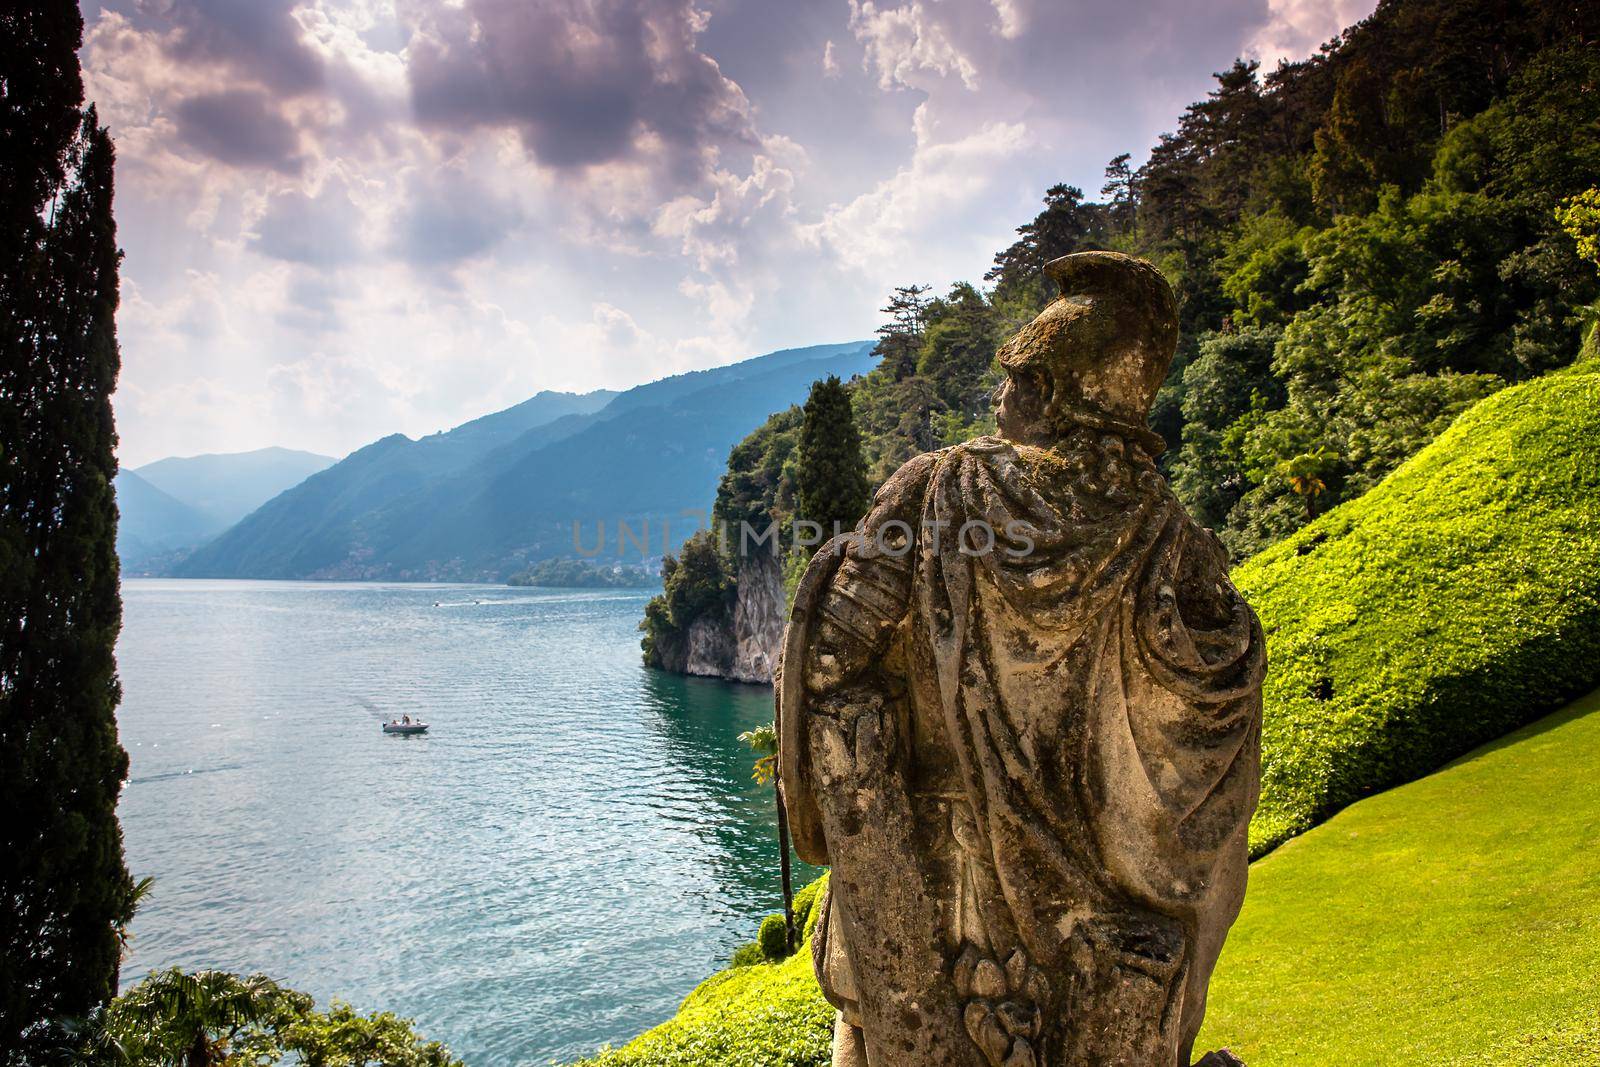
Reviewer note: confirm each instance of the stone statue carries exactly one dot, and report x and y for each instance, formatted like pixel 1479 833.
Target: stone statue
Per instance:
pixel 1020 714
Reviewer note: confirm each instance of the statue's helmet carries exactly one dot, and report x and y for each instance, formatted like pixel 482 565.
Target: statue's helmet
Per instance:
pixel 1105 343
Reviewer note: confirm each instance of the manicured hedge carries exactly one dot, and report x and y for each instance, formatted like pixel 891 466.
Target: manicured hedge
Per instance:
pixel 1457 600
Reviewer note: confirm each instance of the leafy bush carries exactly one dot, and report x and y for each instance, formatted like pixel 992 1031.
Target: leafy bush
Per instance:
pixel 1457 600
pixel 805 903
pixel 770 1015
pixel 747 955
pixel 216 1018
pixel 773 938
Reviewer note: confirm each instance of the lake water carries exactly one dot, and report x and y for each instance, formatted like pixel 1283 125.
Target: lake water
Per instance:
pixel 572 847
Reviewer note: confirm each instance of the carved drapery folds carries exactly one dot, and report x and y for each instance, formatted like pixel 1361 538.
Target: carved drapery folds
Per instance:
pixel 1020 717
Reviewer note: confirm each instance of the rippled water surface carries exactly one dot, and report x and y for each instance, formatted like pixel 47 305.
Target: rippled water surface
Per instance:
pixel 570 849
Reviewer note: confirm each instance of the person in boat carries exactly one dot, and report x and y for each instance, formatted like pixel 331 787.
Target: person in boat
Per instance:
pixel 405 720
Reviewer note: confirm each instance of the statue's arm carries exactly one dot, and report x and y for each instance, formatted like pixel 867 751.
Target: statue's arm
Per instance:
pixel 855 592
pixel 869 594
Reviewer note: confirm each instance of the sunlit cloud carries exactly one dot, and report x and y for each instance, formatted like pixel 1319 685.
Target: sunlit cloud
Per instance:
pixel 347 218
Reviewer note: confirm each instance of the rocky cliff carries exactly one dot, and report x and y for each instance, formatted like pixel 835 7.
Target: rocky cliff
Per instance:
pixel 759 615
pixel 743 644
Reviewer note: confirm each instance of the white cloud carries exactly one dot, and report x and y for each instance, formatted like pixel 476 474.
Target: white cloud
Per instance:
pixel 887 230
pixel 1297 28
pixel 1011 19
pixel 905 42
pixel 830 62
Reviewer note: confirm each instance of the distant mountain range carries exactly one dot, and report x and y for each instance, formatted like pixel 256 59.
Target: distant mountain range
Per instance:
pixel 484 500
pixel 174 505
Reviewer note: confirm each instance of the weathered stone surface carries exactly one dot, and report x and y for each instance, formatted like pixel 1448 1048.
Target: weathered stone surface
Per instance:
pixel 758 620
pixel 708 648
pixel 1019 716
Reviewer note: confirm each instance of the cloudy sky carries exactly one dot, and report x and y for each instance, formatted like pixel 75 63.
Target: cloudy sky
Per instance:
pixel 347 218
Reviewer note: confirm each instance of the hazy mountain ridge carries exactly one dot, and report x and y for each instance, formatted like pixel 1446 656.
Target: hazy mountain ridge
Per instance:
pixel 169 507
pixel 228 486
pixel 480 502
pixel 153 523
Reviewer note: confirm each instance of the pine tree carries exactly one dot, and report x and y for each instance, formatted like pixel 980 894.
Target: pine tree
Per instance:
pixel 1121 191
pixel 831 481
pixel 1066 225
pixel 900 338
pixel 64 890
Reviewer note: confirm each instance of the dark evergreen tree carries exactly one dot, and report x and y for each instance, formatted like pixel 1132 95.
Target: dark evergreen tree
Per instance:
pixel 958 353
pixel 64 890
pixel 831 479
pixel 1121 191
pixel 1066 225
pixel 901 337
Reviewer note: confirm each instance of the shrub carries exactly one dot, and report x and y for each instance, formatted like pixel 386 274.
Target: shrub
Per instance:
pixel 772 1015
pixel 773 938
pixel 747 955
pixel 754 1014
pixel 213 1017
pixel 805 903
pixel 1457 600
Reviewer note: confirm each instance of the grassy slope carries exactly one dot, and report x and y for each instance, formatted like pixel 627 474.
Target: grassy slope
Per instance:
pixel 1452 920
pixel 766 1015
pixel 1454 602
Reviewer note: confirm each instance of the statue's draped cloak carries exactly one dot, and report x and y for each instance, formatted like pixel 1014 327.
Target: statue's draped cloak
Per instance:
pixel 1094 686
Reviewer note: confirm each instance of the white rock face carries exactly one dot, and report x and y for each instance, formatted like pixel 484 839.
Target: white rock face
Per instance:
pixel 758 619
pixel 745 646
pixel 709 649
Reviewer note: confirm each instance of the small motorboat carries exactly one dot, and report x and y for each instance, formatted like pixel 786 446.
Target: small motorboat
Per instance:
pixel 405 727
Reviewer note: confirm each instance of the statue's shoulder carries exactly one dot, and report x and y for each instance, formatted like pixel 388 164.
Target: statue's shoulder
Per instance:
pixel 986 447
pixel 905 486
pixel 989 451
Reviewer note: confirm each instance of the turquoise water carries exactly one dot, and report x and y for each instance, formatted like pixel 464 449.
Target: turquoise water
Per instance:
pixel 570 849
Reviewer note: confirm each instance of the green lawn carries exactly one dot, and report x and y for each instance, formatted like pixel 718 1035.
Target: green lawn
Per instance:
pixel 1454 920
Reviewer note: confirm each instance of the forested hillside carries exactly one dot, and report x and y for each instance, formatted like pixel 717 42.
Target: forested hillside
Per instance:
pixel 1364 244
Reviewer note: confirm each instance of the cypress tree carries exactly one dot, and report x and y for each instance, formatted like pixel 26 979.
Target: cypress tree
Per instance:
pixel 831 480
pixel 64 889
